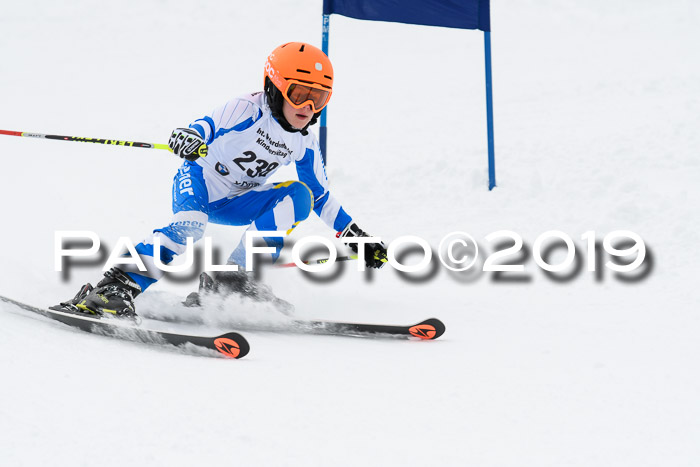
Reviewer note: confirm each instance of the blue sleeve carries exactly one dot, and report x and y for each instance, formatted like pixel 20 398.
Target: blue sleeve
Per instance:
pixel 312 172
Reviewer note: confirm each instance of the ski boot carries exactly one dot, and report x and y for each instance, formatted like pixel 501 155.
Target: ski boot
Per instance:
pixel 237 282
pixel 114 295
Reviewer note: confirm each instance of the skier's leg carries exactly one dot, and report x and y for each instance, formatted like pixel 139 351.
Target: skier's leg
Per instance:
pixel 115 293
pixel 190 214
pixel 279 207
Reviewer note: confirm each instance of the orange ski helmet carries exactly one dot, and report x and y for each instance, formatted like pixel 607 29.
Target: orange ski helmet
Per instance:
pixel 302 73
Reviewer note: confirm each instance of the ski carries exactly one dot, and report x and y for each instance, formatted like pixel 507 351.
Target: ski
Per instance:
pixel 23 306
pixel 230 344
pixel 428 329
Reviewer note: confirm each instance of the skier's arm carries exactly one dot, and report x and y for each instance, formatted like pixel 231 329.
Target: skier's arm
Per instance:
pixel 311 171
pixel 235 115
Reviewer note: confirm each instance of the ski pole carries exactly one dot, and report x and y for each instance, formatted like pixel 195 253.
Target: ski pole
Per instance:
pixel 114 142
pixel 317 261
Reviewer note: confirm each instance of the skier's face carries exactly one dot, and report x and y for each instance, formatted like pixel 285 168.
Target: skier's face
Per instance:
pixel 298 118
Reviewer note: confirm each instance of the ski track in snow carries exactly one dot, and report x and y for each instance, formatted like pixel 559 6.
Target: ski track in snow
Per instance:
pixel 596 118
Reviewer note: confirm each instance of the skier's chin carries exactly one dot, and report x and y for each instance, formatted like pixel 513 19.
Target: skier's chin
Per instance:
pixel 299 122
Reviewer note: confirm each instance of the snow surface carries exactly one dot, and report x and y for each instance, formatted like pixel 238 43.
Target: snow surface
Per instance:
pixel 597 113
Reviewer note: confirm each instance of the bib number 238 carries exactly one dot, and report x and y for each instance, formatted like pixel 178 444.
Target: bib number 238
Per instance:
pixel 254 167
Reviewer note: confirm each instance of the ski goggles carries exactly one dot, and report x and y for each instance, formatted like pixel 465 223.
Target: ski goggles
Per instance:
pixel 300 94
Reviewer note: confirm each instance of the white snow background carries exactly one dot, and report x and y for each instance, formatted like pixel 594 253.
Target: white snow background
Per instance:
pixel 597 115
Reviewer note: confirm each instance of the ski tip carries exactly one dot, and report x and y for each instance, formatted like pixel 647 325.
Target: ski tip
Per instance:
pixel 232 344
pixel 429 329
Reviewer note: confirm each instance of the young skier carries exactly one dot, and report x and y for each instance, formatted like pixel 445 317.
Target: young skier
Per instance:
pixel 229 156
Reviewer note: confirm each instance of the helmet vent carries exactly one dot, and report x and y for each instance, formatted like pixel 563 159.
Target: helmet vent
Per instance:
pixel 303 71
pixel 302 48
pixel 329 77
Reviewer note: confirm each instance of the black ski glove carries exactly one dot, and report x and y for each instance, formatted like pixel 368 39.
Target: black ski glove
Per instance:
pixel 375 253
pixel 187 144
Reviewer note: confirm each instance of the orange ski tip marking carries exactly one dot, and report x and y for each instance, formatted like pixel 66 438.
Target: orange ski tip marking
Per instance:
pixel 228 347
pixel 423 331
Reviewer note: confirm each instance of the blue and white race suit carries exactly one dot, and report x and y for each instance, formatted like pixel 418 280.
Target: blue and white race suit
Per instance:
pixel 228 186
